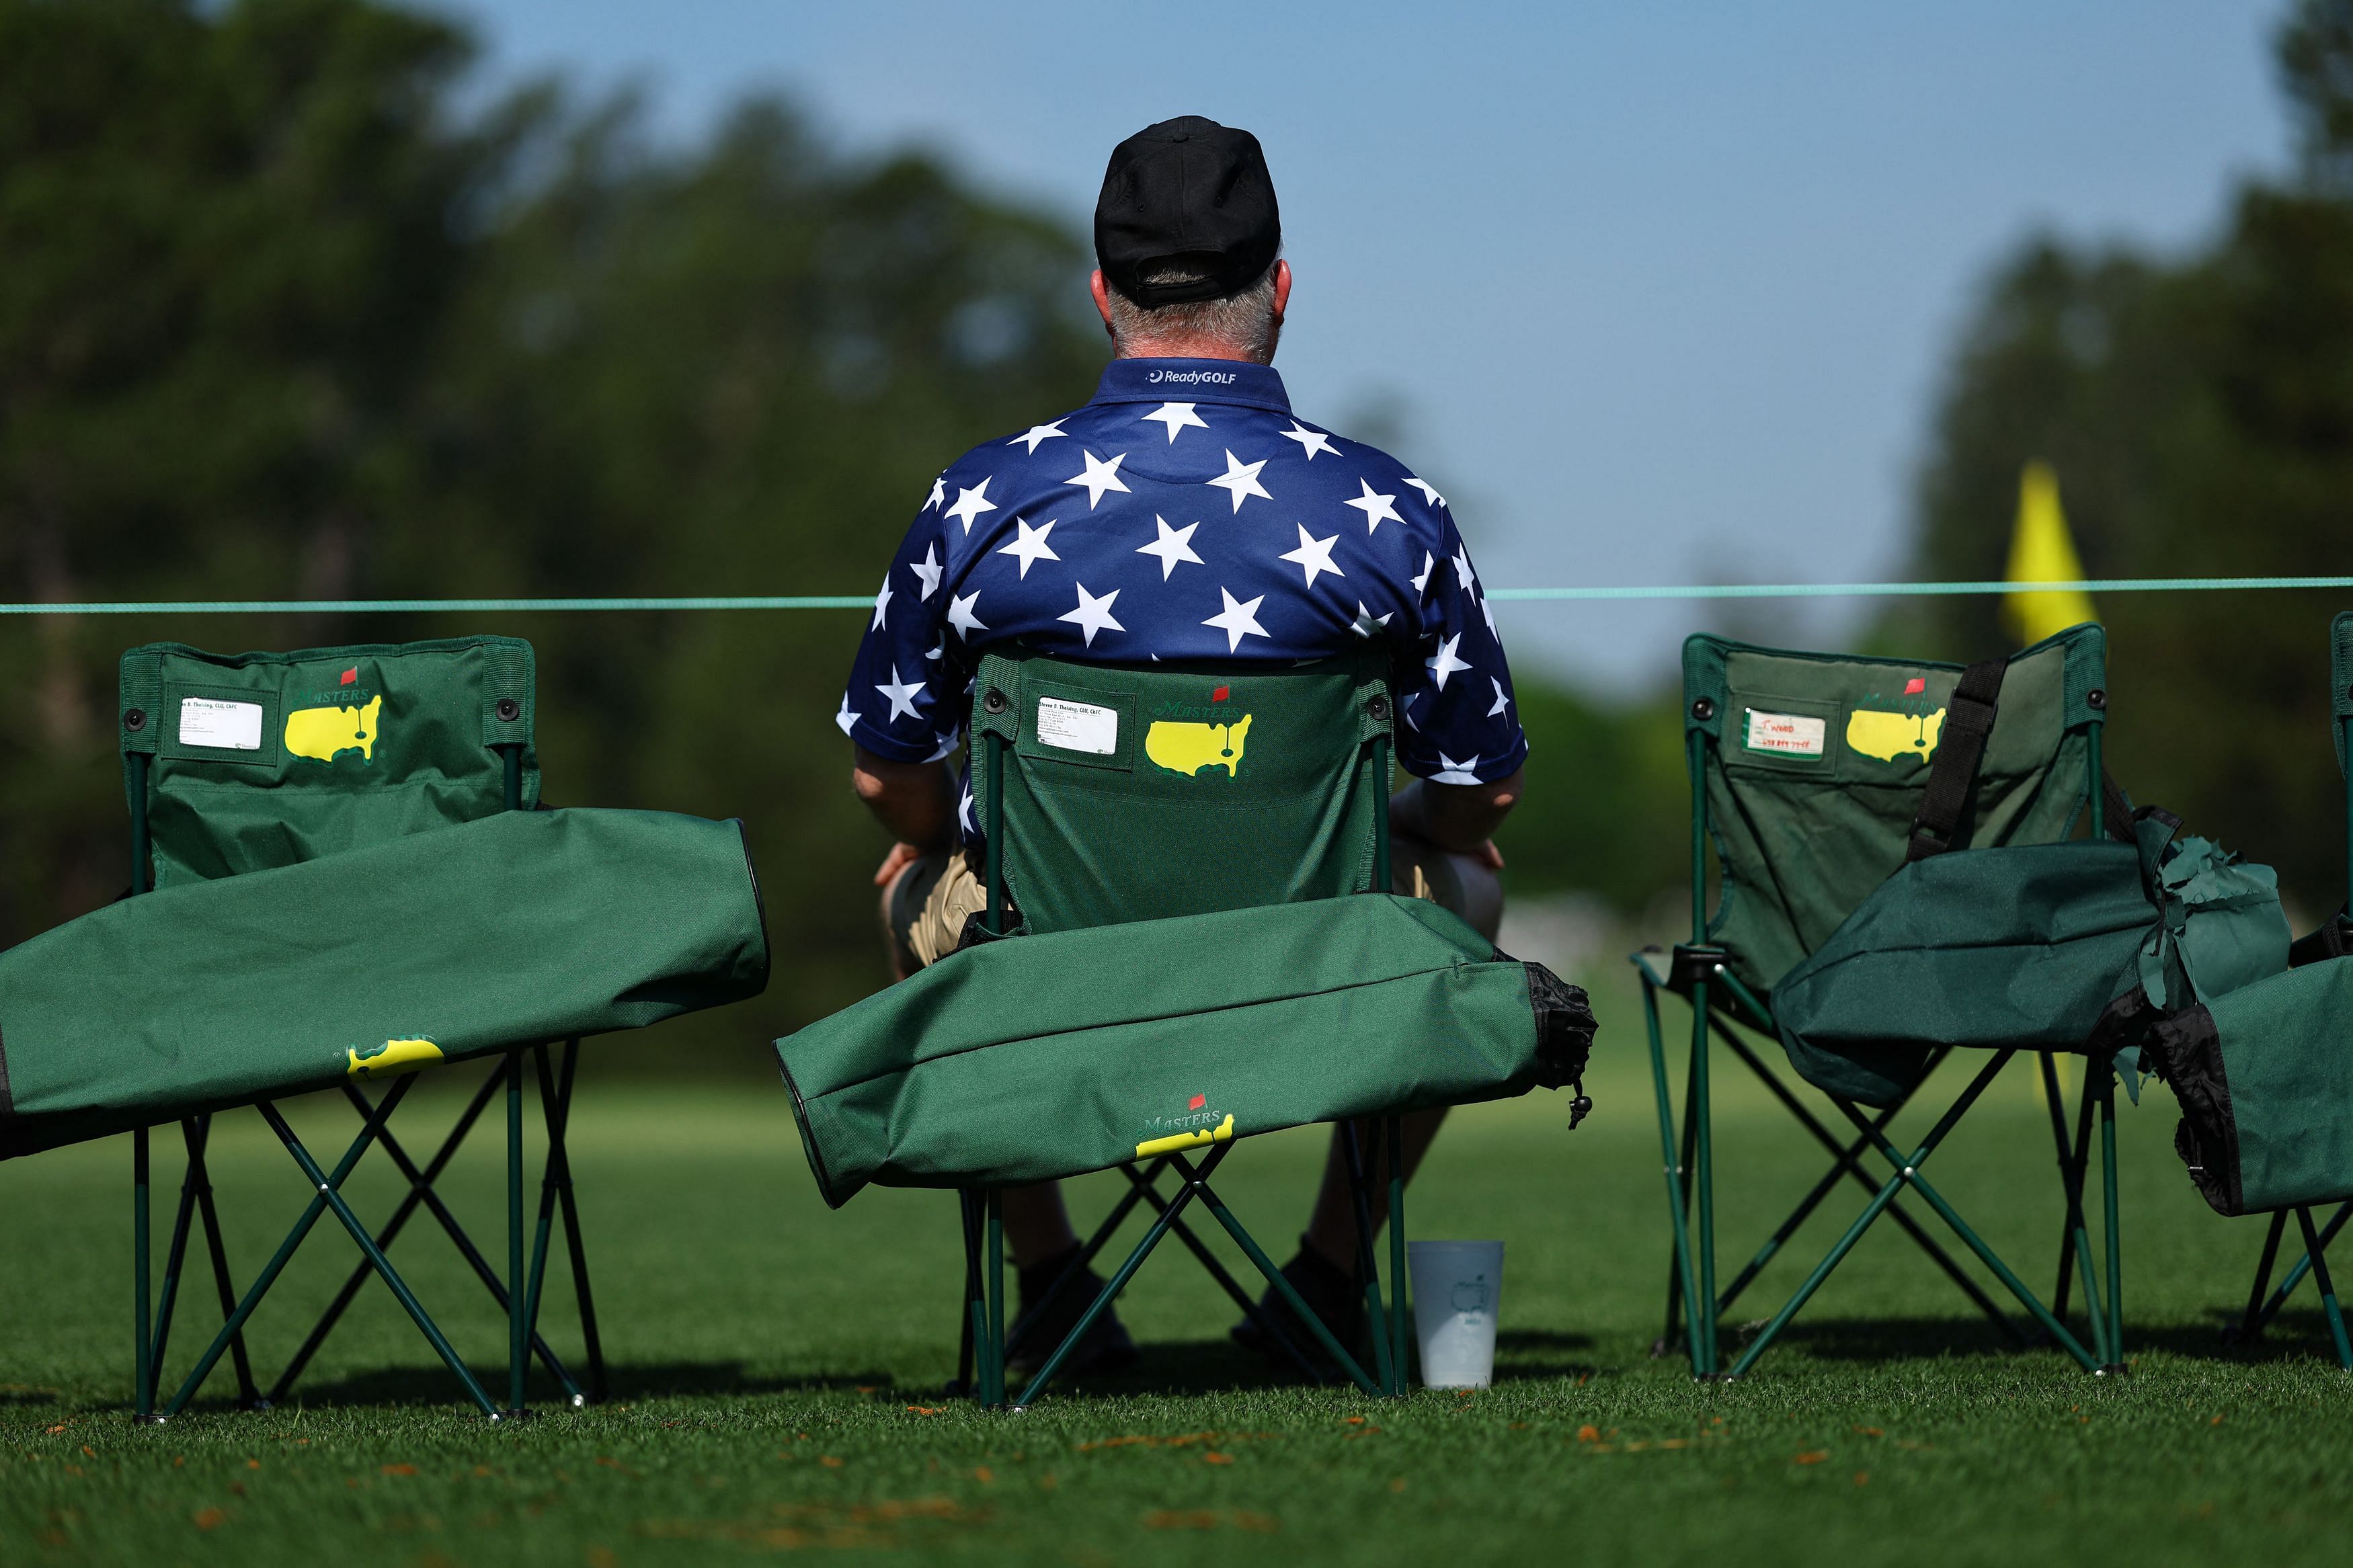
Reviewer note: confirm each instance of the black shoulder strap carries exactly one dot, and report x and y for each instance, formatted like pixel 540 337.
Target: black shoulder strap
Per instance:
pixel 1961 746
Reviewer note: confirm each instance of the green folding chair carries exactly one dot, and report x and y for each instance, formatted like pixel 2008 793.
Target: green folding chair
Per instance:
pixel 1810 781
pixel 1110 794
pixel 2333 941
pixel 242 763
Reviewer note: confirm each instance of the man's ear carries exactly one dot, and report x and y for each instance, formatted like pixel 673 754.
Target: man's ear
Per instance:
pixel 1282 287
pixel 1102 292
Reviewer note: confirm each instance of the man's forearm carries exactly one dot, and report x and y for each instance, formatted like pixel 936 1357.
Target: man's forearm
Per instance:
pixel 914 802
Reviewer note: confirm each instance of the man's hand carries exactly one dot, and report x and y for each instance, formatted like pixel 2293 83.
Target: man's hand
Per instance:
pixel 915 801
pixel 903 855
pixel 1458 819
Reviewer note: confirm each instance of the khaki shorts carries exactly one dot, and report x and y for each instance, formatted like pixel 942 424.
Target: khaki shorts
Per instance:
pixel 934 896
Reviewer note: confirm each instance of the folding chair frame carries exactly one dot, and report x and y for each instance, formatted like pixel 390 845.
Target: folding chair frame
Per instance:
pixel 981 1360
pixel 1698 971
pixel 153 1314
pixel 2261 1310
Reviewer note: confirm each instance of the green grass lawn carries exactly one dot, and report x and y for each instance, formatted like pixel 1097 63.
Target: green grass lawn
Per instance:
pixel 778 1367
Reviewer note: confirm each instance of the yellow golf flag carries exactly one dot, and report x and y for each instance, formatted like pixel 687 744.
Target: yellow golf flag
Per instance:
pixel 2041 552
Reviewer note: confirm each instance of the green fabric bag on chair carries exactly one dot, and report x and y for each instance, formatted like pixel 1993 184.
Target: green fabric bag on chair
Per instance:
pixel 1040 1056
pixel 514 929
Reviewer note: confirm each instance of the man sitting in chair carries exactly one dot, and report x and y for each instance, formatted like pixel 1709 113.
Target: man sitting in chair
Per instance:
pixel 1183 514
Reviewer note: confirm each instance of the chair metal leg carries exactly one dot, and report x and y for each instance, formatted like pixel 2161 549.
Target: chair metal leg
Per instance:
pixel 277 1263
pixel 1143 1188
pixel 971 1354
pixel 1199 1181
pixel 2252 1324
pixel 196 1203
pixel 1908 1173
pixel 1895 1210
pixel 1675 1187
pixel 559 1155
pixel 1019 1335
pixel 143 1375
pixel 2109 1220
pixel 1397 1335
pixel 2075 1242
pixel 518 1290
pixel 217 1247
pixel 2302 1266
pixel 992 1264
pixel 2319 1256
pixel 1368 1278
pixel 1704 1331
pixel 329 1191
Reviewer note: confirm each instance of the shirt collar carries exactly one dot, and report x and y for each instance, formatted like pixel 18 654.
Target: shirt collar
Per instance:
pixel 1192 381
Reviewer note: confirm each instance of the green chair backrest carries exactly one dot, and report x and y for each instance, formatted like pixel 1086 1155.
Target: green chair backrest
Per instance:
pixel 1808 770
pixel 248 761
pixel 1114 793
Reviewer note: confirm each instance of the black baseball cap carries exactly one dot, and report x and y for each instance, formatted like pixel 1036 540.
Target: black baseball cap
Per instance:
pixel 1193 194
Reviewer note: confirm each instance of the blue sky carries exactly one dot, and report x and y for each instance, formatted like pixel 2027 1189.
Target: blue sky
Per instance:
pixel 1663 292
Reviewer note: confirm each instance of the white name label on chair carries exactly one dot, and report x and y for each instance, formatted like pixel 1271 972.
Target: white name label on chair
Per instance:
pixel 1077 727
pixel 231 726
pixel 1789 734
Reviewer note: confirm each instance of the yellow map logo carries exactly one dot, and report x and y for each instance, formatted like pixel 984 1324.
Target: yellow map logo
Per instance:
pixel 326 734
pixel 395 1058
pixel 1201 1138
pixel 1888 736
pixel 1189 749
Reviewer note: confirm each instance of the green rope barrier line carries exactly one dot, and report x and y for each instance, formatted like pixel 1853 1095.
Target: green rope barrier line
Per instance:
pixel 861 602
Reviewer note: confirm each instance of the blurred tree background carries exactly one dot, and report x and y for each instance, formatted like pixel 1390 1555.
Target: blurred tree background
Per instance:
pixel 286 313
pixel 2198 410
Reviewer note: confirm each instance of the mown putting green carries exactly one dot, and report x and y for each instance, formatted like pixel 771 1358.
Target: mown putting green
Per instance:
pixel 777 1371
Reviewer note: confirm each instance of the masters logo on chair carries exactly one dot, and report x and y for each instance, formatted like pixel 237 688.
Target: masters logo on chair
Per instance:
pixel 1197 1127
pixel 1910 730
pixel 1188 739
pixel 323 724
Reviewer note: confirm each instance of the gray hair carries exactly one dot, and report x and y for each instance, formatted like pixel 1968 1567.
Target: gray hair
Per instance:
pixel 1243 321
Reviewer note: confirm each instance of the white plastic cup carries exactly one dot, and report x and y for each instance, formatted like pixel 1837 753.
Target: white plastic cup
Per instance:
pixel 1458 1286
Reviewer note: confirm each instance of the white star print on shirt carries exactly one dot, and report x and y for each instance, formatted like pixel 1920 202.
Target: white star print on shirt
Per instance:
pixel 1240 481
pixel 847 719
pixel 1366 623
pixel 963 809
pixel 1501 702
pixel 939 492
pixel 902 694
pixel 1462 573
pixel 1487 608
pixel 1030 545
pixel 927 570
pixel 1428 562
pixel 1429 490
pixel 1093 614
pixel 1312 555
pixel 1173 546
pixel 1376 508
pixel 960 614
pixel 1099 476
pixel 1237 620
pixel 1454 772
pixel 1443 663
pixel 970 502
pixel 1310 441
pixel 1177 416
pixel 882 606
pixel 947 744
pixel 1037 432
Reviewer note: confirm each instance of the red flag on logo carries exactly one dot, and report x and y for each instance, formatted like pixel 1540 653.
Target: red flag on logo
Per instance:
pixel 1914 686
pixel 351 674
pixel 1221 694
pixel 1197 1101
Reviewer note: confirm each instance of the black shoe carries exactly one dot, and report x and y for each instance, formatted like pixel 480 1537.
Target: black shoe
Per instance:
pixel 1332 1294
pixel 1105 1348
